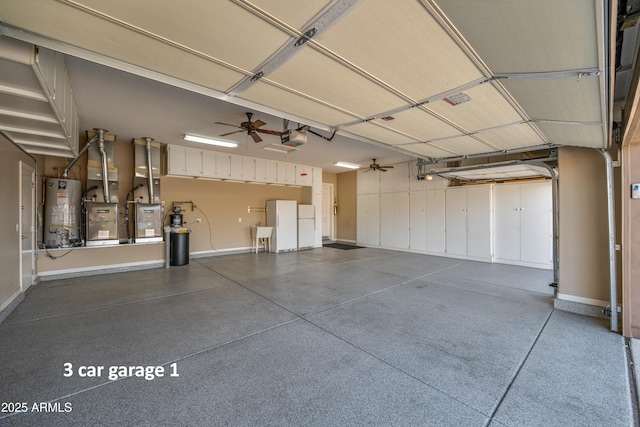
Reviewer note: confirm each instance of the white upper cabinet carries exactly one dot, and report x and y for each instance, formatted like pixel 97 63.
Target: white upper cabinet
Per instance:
pixel 304 175
pixel 368 181
pixel 209 164
pixel 193 162
pixel 185 161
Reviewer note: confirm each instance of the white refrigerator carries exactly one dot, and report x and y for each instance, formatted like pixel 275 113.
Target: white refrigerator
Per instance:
pixel 306 226
pixel 282 215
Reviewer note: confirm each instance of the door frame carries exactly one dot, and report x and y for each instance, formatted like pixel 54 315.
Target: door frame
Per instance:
pixel 26 186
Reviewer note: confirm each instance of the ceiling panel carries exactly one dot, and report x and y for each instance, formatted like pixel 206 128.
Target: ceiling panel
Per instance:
pixel 294 12
pixel 79 29
pixel 572 134
pixel 512 137
pixel 428 150
pixel 377 132
pixel 520 36
pixel 420 124
pixel 318 76
pixel 463 145
pixel 201 31
pixel 565 99
pixel 418 58
pixel 266 94
pixel 487 108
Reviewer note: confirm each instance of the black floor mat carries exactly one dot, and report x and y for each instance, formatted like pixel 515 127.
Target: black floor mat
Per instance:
pixel 340 246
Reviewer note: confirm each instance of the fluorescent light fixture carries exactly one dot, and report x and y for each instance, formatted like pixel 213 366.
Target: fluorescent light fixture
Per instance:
pixel 211 141
pixel 347 165
pixel 280 148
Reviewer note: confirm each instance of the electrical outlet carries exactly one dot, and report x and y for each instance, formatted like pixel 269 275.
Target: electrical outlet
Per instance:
pixel 240 219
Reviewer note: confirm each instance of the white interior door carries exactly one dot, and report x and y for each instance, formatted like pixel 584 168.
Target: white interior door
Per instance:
pixel 27 234
pixel 327 211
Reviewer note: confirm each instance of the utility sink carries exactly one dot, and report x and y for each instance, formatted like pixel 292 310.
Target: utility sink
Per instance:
pixel 258 232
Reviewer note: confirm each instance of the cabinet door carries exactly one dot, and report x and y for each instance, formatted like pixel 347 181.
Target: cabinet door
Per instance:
pixel 436 242
pixel 401 220
pixel 387 180
pixel 368 215
pixel 261 173
pixel 368 182
pixel 175 160
pixel 456 221
pixel 479 222
pixel 193 162
pixel 223 165
pixel 271 171
pixel 418 220
pixel 506 208
pixel 400 177
pixel 304 175
pixel 248 168
pixel 536 223
pixel 235 172
pixel 209 163
pixel 387 227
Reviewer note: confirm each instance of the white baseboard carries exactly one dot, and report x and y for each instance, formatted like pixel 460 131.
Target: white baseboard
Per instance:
pixel 102 269
pixel 10 304
pixel 582 300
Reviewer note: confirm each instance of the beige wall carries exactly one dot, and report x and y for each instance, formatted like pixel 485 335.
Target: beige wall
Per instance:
pixel 347 197
pixel 631 242
pixel 223 209
pixel 583 243
pixel 10 157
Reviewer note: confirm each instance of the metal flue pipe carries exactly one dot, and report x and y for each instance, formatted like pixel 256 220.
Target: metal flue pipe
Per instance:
pixel 149 169
pixel 105 168
pixel 65 173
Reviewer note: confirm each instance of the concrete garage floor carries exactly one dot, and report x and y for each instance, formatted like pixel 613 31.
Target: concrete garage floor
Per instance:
pixel 324 337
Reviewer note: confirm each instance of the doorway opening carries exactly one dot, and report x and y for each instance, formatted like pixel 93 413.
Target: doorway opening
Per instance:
pixel 328 224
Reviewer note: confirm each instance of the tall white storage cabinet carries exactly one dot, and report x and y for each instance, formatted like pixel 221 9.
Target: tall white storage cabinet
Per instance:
pixel 468 222
pixel 394 220
pixel 436 243
pixel 282 215
pixel 368 217
pixel 523 224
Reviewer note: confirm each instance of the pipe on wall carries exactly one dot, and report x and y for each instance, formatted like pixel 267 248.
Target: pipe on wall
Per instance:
pixel 149 169
pixel 65 173
pixel 105 168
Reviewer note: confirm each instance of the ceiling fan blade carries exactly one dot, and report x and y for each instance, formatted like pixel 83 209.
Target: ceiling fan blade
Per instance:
pixel 382 169
pixel 231 133
pixel 227 124
pixel 270 132
pixel 256 137
pixel 367 170
pixel 257 124
pixel 386 167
